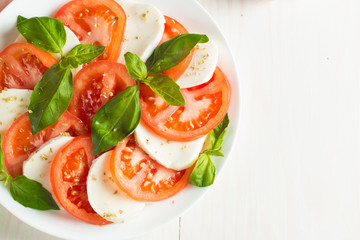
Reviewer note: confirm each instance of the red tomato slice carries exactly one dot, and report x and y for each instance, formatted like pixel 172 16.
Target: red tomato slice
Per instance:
pixel 94 85
pixel 141 177
pixel 206 105
pixel 96 22
pixel 173 29
pixel 68 176
pixel 19 142
pixel 22 65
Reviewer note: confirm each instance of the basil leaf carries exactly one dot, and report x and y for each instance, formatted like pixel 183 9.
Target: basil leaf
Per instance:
pixel 81 54
pixel 20 19
pixel 217 134
pixel 50 98
pixel 31 194
pixel 214 153
pixel 2 164
pixel 5 176
pixel 204 172
pixel 135 66
pixel 116 120
pixel 172 52
pixel 166 88
pixel 27 192
pixel 46 33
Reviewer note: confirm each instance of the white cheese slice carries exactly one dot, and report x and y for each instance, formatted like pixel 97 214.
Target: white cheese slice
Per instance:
pixel 171 154
pixel 104 196
pixel 202 66
pixel 38 165
pixel 13 103
pixel 144 29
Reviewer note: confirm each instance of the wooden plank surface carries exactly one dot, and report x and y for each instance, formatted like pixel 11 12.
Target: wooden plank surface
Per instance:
pixel 295 172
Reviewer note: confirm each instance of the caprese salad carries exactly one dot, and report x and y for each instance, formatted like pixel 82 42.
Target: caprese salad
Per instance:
pixel 106 106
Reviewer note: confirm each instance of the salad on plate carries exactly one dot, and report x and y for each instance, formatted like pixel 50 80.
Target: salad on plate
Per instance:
pixel 106 107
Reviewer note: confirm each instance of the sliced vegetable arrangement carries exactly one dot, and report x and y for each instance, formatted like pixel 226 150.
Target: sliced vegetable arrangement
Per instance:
pixel 98 137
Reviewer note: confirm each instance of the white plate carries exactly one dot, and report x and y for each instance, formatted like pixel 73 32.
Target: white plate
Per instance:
pixel 195 19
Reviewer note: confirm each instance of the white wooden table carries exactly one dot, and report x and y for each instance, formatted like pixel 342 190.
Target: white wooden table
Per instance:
pixel 294 173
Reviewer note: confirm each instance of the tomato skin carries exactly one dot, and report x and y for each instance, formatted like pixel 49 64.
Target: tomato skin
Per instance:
pixel 96 22
pixel 172 29
pixel 206 106
pixel 96 84
pixel 134 172
pixel 68 176
pixel 19 143
pixel 22 65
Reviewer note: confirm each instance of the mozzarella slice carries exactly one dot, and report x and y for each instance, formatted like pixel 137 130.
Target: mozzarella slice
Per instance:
pixel 202 66
pixel 144 29
pixel 104 196
pixel 38 165
pixel 71 42
pixel 171 154
pixel 13 103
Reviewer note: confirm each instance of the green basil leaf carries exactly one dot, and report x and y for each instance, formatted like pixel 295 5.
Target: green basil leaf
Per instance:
pixel 81 54
pixel 135 66
pixel 217 134
pixel 166 88
pixel 20 19
pixel 172 52
pixel 50 98
pixel 116 120
pixel 4 176
pixel 2 164
pixel 31 194
pixel 46 33
pixel 214 153
pixel 204 172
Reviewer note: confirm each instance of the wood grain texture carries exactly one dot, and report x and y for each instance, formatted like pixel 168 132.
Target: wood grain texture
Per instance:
pixel 295 172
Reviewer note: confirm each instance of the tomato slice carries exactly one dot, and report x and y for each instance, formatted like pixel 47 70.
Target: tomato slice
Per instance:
pixel 172 29
pixel 68 176
pixel 19 142
pixel 94 85
pixel 141 177
pixel 206 105
pixel 22 65
pixel 96 22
